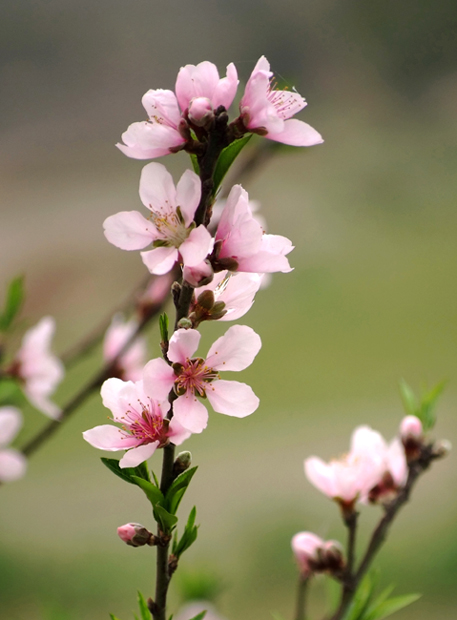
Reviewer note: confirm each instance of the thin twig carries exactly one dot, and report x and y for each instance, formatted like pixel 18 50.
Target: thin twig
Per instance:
pixel 300 612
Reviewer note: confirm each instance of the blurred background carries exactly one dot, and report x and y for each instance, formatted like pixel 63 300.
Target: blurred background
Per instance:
pixel 372 298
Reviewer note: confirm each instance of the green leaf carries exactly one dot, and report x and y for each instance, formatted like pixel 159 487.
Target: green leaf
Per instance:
pixel 10 392
pixel 195 166
pixel 389 607
pixel 226 159
pixel 409 399
pixel 13 302
pixel 428 404
pixel 276 616
pixel 156 480
pixel 127 473
pixel 166 521
pixel 178 488
pixel 153 494
pixel 163 326
pixel 144 610
pixel 199 616
pixel 113 617
pixel 361 599
pixel 189 535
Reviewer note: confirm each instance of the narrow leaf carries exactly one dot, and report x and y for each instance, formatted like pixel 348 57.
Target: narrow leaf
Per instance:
pixel 153 494
pixel 389 607
pixel 226 159
pixel 195 166
pixel 113 617
pixel 127 473
pixel 13 302
pixel 163 326
pixel 144 610
pixel 361 599
pixel 409 399
pixel 178 488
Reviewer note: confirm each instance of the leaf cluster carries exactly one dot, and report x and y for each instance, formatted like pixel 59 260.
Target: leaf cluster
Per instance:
pixel 13 303
pixel 423 407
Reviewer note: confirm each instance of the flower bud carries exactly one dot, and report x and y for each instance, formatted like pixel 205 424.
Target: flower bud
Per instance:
pixel 135 535
pixel 200 111
pixel 314 555
pixel 411 428
pixel 200 275
pixel 182 462
pixel 184 323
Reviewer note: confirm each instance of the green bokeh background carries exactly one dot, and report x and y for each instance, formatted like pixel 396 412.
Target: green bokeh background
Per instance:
pixel 372 298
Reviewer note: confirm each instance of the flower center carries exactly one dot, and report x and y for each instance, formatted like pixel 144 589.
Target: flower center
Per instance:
pixel 193 376
pixel 170 226
pixel 145 425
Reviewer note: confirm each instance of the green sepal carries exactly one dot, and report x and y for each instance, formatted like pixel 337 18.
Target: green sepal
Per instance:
pixel 189 535
pixel 226 159
pixel 153 493
pixel 386 608
pixel 163 326
pixel 199 616
pixel 144 610
pixel 195 166
pixel 128 473
pixel 167 522
pixel 177 489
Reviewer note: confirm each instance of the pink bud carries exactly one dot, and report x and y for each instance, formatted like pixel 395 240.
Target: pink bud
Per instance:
pixel 305 546
pixel 200 111
pixel 201 275
pixel 411 428
pixel 135 535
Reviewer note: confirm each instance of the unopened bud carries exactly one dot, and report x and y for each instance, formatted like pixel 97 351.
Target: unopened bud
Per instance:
pixel 332 557
pixel 206 299
pixel 135 535
pixel 182 462
pixel 200 275
pixel 442 448
pixel 411 428
pixel 185 323
pixel 200 111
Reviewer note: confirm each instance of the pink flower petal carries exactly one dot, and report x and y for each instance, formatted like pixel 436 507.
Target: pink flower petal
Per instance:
pixel 235 350
pixel 190 413
pixel 138 455
pixel 183 345
pixel 157 190
pixel 320 475
pixel 188 193
pixel 296 133
pixel 145 140
pixel 158 379
pixel 196 247
pixel 10 423
pixel 118 396
pixel 178 433
pixel 129 230
pixel 225 91
pixel 162 107
pixel 232 398
pixel 196 81
pixel 109 438
pixel 160 260
pixel 13 465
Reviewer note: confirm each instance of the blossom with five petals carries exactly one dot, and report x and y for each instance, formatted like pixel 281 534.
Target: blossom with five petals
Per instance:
pixel 165 131
pixel 13 464
pixel 144 424
pixel 268 112
pixel 170 226
pixel 192 377
pixel 39 370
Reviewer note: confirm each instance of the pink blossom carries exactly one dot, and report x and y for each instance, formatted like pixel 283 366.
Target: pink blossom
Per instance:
pixel 169 227
pixel 130 365
pixel 241 244
pixel 267 111
pixel 13 464
pixel 165 131
pixel 356 475
pixel 236 291
pixel 315 555
pixel 194 376
pixel 39 369
pixel 411 428
pixel 143 418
